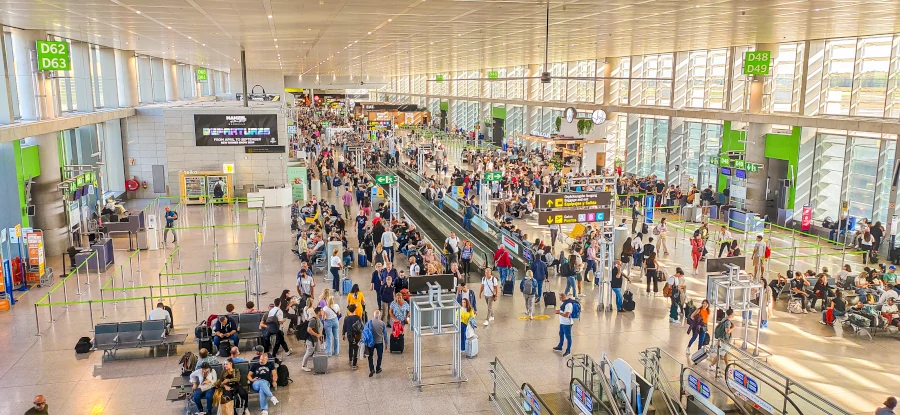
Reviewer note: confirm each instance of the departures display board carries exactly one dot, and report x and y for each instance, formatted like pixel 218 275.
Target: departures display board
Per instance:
pixel 236 130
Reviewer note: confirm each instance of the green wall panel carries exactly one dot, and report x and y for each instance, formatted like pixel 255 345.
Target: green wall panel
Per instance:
pixel 731 141
pixel 786 147
pixel 498 112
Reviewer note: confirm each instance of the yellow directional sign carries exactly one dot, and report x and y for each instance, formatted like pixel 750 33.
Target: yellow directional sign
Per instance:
pixel 564 217
pixel 574 200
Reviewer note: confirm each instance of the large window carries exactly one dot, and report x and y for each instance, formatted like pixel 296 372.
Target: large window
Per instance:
pixel 837 77
pixel 556 89
pixel 652 149
pixel 96 75
pixel 828 172
pixel 784 84
pixel 706 78
pixel 515 87
pixel 515 120
pixel 66 81
pixel 11 65
pixel 870 84
pixel 618 94
pixel 498 88
pixel 652 82
pixel 581 90
pixel 863 174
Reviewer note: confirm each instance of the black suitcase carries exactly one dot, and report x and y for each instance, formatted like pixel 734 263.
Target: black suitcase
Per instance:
pixel 224 348
pixel 508 287
pixel 549 299
pixel 206 344
pixel 628 303
pixel 396 345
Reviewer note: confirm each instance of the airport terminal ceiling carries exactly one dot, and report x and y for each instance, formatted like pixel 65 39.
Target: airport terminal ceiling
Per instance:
pixel 392 37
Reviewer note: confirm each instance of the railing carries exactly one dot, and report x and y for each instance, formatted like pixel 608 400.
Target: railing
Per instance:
pixel 597 377
pixel 793 393
pixel 512 399
pixel 664 373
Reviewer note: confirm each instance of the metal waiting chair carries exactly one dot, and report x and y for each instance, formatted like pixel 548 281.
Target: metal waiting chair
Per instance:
pixel 129 335
pixel 106 337
pixel 248 326
pixel 153 333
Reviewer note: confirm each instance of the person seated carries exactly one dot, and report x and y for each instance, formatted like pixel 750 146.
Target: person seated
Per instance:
pixel 205 357
pixel 225 329
pixel 203 381
pixel 860 309
pixel 160 313
pixel 800 291
pixel 777 285
pixel 891 313
pixel 312 253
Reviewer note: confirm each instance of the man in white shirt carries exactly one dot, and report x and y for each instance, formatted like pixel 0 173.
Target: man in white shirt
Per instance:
pixel 759 257
pixel 725 239
pixel 160 313
pixel 453 241
pixel 565 324
pixel 306 284
pixel 489 285
pixel 888 295
pixel 388 239
pixel 414 268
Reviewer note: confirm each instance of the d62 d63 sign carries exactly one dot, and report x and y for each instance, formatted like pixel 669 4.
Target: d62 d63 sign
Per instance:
pixel 53 56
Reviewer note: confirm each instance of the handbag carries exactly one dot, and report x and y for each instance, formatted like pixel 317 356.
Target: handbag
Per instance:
pixel 667 291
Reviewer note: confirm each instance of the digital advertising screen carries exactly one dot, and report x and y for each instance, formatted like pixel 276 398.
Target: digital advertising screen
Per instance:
pixel 236 130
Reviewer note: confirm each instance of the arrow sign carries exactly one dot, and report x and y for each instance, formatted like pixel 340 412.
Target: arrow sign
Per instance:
pixel 385 179
pixel 565 217
pixel 575 200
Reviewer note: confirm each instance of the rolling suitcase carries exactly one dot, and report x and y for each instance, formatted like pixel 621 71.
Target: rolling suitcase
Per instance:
pixel 396 345
pixel 320 364
pixel 549 299
pixel 361 258
pixel 508 287
pixel 699 356
pixel 346 285
pixel 628 301
pixel 472 347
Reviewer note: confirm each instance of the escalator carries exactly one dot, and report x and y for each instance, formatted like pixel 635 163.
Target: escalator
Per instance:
pixel 488 240
pixel 681 390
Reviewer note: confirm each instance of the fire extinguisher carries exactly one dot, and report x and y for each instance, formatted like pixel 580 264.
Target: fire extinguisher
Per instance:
pixel 144 184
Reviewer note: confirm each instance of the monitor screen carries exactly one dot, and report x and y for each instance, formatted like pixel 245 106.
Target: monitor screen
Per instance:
pixel 726 171
pixel 78 193
pixel 740 174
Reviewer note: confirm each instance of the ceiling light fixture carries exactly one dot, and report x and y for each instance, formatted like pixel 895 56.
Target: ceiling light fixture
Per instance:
pixel 138 11
pixel 270 16
pixel 390 20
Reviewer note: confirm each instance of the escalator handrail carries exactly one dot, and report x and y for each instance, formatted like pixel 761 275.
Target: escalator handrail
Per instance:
pixel 537 396
pixel 495 231
pixel 758 378
pixel 715 384
pixel 671 402
pixel 610 409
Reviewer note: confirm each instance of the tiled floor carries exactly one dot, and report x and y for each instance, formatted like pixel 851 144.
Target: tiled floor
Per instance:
pixel 849 371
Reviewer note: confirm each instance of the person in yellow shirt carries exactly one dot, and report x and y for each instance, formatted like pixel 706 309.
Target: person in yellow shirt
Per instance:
pixel 465 313
pixel 356 297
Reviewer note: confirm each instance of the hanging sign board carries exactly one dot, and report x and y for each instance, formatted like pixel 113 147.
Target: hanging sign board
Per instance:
pixel 564 217
pixel 757 62
pixel 53 56
pixel 806 218
pixel 573 200
pixel 202 75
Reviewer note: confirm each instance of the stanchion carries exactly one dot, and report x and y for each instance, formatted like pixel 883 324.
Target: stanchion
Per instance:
pixel 91 312
pixel 196 311
pixel 65 293
pixel 78 278
pixel 102 306
pixel 50 305
pixel 818 258
pixel 37 321
pixel 145 305
pixel 97 260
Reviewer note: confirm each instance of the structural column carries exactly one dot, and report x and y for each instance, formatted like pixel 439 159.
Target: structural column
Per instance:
pixel 50 213
pixel 170 75
pixel 756 153
pixel 159 80
pixel 7 111
pixel 127 78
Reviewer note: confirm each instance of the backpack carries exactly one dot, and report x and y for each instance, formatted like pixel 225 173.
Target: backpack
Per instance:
pixel 217 189
pixel 188 362
pixel 302 332
pixel 528 289
pixel 84 345
pixel 768 252
pixel 721 334
pixel 284 376
pixel 356 330
pixel 368 338
pixel 576 308
pixel 656 230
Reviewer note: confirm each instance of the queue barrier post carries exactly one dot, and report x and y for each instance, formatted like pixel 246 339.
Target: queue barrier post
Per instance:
pixel 50 305
pixel 65 293
pixel 102 307
pixel 196 310
pixel 37 321
pixel 145 305
pixel 77 278
pixel 97 261
pixel 91 312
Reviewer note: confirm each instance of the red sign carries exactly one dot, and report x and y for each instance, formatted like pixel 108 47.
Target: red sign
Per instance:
pixel 806 218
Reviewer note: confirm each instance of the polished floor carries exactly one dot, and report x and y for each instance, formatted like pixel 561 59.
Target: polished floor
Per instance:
pixel 851 372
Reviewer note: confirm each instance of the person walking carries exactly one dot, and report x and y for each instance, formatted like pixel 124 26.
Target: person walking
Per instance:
pixel 489 287
pixel 466 254
pixel 568 269
pixel 888 409
pixel 652 268
pixel 171 216
pixel 379 334
pixel 347 198
pixel 529 288
pixel 554 235
pixel 316 332
pixel 386 295
pixel 388 239
pixel 503 262
pixel 662 232
pixel 332 312
pixel 540 272
pixel 352 331
pixel 565 323
pixel 696 251
pixel 676 287
pixel 697 326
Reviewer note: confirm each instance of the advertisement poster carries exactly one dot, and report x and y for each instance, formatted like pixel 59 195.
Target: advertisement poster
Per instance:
pixel 297 179
pixel 36 259
pixel 236 130
pixel 806 218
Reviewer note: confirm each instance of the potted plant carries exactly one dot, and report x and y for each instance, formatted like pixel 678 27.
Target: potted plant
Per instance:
pixel 558 123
